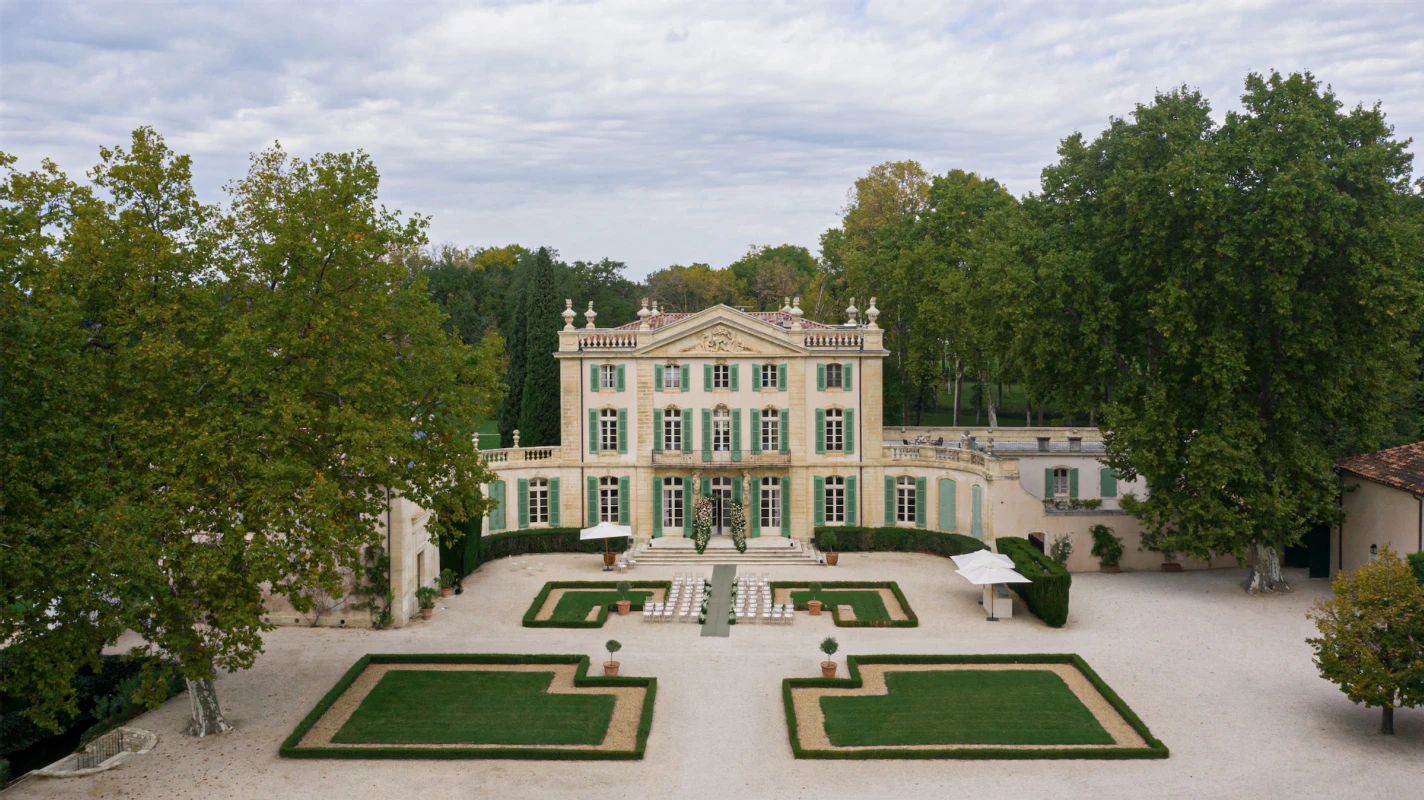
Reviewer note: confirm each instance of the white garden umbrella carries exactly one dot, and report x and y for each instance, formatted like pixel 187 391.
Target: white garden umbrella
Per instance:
pixel 605 531
pixel 987 574
pixel 982 558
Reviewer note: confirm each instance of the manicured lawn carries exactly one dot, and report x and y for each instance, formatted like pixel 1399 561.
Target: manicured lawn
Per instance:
pixel 472 707
pixel 990 707
pixel 867 603
pixel 574 606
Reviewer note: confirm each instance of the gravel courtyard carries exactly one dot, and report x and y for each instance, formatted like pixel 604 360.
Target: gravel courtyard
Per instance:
pixel 1225 680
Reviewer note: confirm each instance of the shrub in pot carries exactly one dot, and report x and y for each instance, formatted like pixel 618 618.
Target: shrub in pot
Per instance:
pixel 813 605
pixel 1107 548
pixel 448 578
pixel 828 543
pixel 610 667
pixel 623 604
pixel 425 598
pixel 829 646
pixel 1061 549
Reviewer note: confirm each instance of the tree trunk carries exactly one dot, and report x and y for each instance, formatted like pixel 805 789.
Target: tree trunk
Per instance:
pixel 1387 720
pixel 1264 561
pixel 989 402
pixel 207 716
pixel 957 376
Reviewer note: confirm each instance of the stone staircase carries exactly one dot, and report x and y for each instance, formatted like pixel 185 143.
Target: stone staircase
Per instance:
pixel 762 551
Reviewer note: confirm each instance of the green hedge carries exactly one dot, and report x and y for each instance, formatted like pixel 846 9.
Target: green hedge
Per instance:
pixel 541 540
pixel 912 620
pixel 1416 563
pixel 291 745
pixel 633 605
pixel 915 540
pixel 463 555
pixel 1154 749
pixel 1047 595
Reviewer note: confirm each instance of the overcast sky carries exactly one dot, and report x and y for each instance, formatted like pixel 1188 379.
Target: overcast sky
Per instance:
pixel 655 132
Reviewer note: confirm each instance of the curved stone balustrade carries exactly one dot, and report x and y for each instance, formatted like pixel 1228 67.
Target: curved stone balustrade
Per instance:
pixel 823 341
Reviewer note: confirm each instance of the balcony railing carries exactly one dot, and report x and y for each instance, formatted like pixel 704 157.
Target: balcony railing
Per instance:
pixel 608 341
pixel 834 341
pixel 720 458
pixel 508 454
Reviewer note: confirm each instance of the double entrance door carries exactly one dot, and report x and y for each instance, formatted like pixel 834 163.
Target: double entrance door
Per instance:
pixel 721 501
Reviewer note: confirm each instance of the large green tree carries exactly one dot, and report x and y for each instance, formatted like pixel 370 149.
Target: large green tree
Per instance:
pixel 1239 297
pixel 539 420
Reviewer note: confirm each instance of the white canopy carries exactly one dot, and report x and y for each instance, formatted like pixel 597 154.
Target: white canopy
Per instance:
pixel 991 574
pixel 605 530
pixel 982 558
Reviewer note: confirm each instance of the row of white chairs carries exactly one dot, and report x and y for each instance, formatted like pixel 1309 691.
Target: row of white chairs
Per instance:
pixel 666 612
pixel 770 614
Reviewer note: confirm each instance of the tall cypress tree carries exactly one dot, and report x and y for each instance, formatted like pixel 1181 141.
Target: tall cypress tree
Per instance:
pixel 514 375
pixel 539 412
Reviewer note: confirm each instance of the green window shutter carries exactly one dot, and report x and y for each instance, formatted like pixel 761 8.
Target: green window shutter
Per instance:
pixel 976 511
pixel 889 500
pixel 685 384
pixel 786 507
pixel 623 498
pixel 1048 482
pixel 706 377
pixel 846 376
pixel 620 377
pixel 659 429
pixel 592 502
pixel 593 431
pixel 820 431
pixel 522 494
pixel 657 507
pixel 737 435
pixel 947 488
pixel 736 371
pixel 687 430
pixel 784 435
pixel 497 513
pixel 849 432
pixel 1107 477
pixel 687 496
pixel 1073 482
pixel 781 377
pixel 657 377
pixel 756 377
pixel 737 491
pixel 622 430
pixel 754 510
pixel 851 499
pixel 755 431
pixel 821 377
pixel 706 434
pixel 554 502
pixel 593 377
pixel 818 500
pixel 706 487
pixel 920 496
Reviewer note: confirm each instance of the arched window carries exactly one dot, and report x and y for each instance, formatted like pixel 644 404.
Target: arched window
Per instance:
pixel 770 503
pixel 721 429
pixel 608 500
pixel 835 500
pixel 672 429
pixel 835 430
pixel 770 430
pixel 608 430
pixel 538 501
pixel 905 499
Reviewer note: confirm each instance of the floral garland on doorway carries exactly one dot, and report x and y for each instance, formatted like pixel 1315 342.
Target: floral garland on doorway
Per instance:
pixel 738 521
pixel 701 523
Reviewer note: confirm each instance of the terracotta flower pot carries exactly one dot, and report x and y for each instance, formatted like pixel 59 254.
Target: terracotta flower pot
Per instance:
pixel 427 613
pixel 1111 569
pixel 610 668
pixel 832 558
pixel 610 558
pixel 1171 566
pixel 623 607
pixel 446 592
pixel 814 607
pixel 828 669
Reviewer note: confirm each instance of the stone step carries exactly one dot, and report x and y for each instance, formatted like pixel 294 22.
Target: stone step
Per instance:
pixel 683 552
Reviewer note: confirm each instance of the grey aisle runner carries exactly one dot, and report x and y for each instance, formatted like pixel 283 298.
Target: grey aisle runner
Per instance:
pixel 720 602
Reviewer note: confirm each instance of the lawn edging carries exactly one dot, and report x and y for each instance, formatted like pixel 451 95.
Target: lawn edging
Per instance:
pixel 291 748
pixel 1155 748
pixel 543 596
pixel 911 619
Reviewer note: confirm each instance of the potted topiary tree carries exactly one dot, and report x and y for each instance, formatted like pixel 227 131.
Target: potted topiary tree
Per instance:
pixel 610 667
pixel 447 582
pixel 828 544
pixel 829 646
pixel 813 605
pixel 425 597
pixel 623 604
pixel 1107 548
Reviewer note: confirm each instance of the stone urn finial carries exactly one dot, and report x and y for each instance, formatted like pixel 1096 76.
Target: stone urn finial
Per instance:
pixel 786 305
pixel 852 313
pixel 655 308
pixel 516 438
pixel 569 315
pixel 590 315
pixel 643 314
pixel 872 314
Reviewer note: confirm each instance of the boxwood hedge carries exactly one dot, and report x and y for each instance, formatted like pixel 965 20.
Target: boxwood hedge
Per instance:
pixel 1047 595
pixel 914 540
pixel 543 596
pixel 911 619
pixel 542 540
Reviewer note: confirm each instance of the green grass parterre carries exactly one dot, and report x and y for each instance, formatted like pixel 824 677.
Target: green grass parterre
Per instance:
pixel 870 611
pixel 573 613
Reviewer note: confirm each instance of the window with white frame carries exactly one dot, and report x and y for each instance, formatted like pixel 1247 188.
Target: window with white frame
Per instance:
pixel 771 502
pixel 721 376
pixel 835 430
pixel 770 430
pixel 608 430
pixel 672 502
pixel 1060 483
pixel 672 429
pixel 834 377
pixel 768 377
pixel 538 501
pixel 608 377
pixel 721 430
pixel 905 499
pixel 835 500
pixel 672 377
pixel 608 500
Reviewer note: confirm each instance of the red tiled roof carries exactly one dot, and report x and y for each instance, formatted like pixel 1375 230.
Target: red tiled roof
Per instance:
pixel 778 318
pixel 1400 467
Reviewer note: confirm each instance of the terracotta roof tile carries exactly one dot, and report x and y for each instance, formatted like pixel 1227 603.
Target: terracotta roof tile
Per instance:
pixel 1400 467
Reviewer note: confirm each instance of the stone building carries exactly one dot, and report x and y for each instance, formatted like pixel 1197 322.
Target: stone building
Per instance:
pixel 1383 504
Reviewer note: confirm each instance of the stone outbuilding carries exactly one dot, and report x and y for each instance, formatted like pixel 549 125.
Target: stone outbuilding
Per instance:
pixel 1383 504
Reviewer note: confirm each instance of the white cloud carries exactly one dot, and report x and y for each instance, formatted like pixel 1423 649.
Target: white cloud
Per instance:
pixel 653 132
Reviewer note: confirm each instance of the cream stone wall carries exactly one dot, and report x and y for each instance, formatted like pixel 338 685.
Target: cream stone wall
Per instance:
pixel 1375 515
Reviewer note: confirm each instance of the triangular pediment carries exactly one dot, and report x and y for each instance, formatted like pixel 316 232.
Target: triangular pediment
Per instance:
pixel 721 331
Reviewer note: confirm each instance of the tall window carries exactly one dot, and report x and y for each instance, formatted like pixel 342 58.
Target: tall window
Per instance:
pixel 538 501
pixel 672 377
pixel 833 377
pixel 835 430
pixel 672 430
pixel 721 376
pixel 608 500
pixel 770 430
pixel 608 377
pixel 771 502
pixel 608 430
pixel 721 430
pixel 904 499
pixel 1060 482
pixel 672 502
pixel 835 500
pixel 768 377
